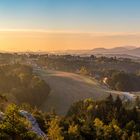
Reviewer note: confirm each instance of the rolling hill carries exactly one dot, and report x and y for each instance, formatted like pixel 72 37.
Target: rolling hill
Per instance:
pixel 67 88
pixel 130 51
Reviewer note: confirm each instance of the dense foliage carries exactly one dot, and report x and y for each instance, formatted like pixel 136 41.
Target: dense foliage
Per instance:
pixel 19 84
pixel 124 81
pixel 86 120
pixel 15 127
pixel 105 120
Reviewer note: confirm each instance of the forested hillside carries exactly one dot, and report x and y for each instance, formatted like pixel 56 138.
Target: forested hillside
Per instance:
pixel 86 120
pixel 122 81
pixel 21 85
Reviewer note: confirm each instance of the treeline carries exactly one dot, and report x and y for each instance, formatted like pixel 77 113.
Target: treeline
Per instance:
pixel 122 74
pixel 122 81
pixel 95 65
pixel 104 120
pixel 20 84
pixel 15 127
pixel 86 120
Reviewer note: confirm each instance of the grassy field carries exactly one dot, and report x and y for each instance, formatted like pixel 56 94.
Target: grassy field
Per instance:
pixel 67 88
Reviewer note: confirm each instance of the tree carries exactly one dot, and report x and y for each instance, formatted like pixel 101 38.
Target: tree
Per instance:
pixel 134 136
pixel 15 126
pixel 130 127
pixel 137 102
pixel 83 71
pixel 99 126
pixel 73 132
pixel 3 100
pixel 55 131
pixel 109 99
pixel 118 103
pixel 125 136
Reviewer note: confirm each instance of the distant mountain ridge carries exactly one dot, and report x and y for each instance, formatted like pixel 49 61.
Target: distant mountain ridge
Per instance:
pixel 115 49
pixel 122 51
pixel 135 51
pixel 130 50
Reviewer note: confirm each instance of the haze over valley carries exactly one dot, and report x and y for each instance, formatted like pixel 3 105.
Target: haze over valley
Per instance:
pixel 69 70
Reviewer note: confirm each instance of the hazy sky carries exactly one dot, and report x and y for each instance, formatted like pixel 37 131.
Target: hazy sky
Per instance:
pixel 68 24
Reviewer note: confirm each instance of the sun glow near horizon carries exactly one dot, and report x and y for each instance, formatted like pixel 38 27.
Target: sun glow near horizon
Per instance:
pixel 49 25
pixel 44 40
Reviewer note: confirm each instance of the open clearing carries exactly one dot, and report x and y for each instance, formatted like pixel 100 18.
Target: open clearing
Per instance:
pixel 67 88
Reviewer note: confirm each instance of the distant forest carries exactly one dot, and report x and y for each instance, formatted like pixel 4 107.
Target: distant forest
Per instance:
pixel 122 74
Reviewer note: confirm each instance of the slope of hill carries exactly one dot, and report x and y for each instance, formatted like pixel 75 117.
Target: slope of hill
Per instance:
pixel 99 50
pixel 118 49
pixel 135 52
pixel 130 50
pixel 67 88
pixel 112 50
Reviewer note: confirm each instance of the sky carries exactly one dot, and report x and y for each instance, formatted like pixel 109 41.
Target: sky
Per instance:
pixel 68 24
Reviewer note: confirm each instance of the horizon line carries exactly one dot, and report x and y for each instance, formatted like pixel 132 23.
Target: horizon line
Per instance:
pixel 45 51
pixel 68 32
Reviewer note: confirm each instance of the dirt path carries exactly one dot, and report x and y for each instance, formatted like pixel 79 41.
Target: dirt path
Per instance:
pixel 68 88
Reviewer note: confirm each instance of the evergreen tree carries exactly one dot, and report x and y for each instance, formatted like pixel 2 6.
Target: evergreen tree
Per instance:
pixel 55 131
